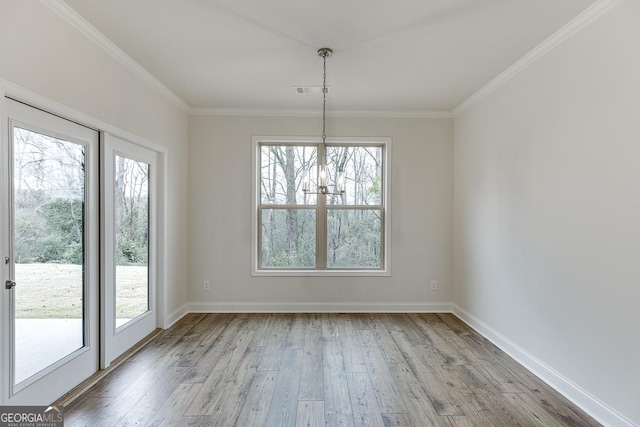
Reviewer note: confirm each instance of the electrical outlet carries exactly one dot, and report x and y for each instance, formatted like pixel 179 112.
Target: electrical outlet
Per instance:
pixel 206 285
pixel 434 285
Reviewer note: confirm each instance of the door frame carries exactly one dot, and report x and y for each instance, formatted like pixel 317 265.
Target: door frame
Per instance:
pixel 18 93
pixel 82 362
pixel 116 340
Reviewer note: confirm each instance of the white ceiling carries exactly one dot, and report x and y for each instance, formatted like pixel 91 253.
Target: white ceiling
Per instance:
pixel 402 55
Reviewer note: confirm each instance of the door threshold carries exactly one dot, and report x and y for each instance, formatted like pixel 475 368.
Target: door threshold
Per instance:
pixel 81 388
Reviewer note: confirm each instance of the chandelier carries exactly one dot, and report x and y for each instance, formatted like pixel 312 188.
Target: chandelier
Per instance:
pixel 324 53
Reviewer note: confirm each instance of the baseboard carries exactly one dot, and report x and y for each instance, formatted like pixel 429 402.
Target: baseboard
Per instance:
pixel 582 398
pixel 177 314
pixel 320 307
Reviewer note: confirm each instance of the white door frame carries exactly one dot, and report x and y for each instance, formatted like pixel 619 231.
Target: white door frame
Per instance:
pixel 9 89
pixel 116 340
pixel 55 380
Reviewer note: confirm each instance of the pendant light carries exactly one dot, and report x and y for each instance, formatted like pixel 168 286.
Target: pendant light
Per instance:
pixel 324 53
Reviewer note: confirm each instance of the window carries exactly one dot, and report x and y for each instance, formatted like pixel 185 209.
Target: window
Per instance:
pixel 338 233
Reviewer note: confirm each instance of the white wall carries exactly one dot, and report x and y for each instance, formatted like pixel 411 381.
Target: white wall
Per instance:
pixel 547 209
pixel 220 215
pixel 43 53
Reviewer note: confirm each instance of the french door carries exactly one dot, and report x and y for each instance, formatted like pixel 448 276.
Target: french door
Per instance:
pixel 50 255
pixel 129 183
pixel 78 255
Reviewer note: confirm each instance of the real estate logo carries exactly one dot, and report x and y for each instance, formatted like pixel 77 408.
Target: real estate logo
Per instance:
pixel 31 416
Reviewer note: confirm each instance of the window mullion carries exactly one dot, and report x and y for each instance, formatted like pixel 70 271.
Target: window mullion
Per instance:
pixel 321 221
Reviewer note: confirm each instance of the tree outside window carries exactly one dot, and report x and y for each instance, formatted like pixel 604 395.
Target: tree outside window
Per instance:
pixel 304 230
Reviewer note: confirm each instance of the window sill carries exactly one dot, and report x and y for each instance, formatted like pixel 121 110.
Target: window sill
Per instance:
pixel 321 273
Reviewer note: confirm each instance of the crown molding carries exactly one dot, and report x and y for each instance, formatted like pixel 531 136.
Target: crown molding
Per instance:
pixel 585 18
pixel 92 33
pixel 243 112
pixel 70 15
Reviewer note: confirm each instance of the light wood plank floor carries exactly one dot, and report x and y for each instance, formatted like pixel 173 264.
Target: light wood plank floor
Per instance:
pixel 322 369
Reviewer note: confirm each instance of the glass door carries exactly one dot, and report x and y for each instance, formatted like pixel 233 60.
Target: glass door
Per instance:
pixel 50 265
pixel 129 238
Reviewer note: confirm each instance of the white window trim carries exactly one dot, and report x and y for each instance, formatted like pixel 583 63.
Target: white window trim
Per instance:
pixel 255 196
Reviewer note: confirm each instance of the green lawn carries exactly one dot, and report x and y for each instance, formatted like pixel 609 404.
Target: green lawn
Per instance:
pixel 54 291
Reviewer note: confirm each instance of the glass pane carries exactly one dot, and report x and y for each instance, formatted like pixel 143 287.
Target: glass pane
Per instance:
pixel 283 172
pixel 288 238
pixel 49 196
pixel 354 238
pixel 361 168
pixel 132 239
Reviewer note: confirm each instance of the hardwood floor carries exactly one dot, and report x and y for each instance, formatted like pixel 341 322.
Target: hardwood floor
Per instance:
pixel 322 369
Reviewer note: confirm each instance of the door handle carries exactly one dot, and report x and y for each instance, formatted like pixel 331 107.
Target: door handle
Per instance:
pixel 9 284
